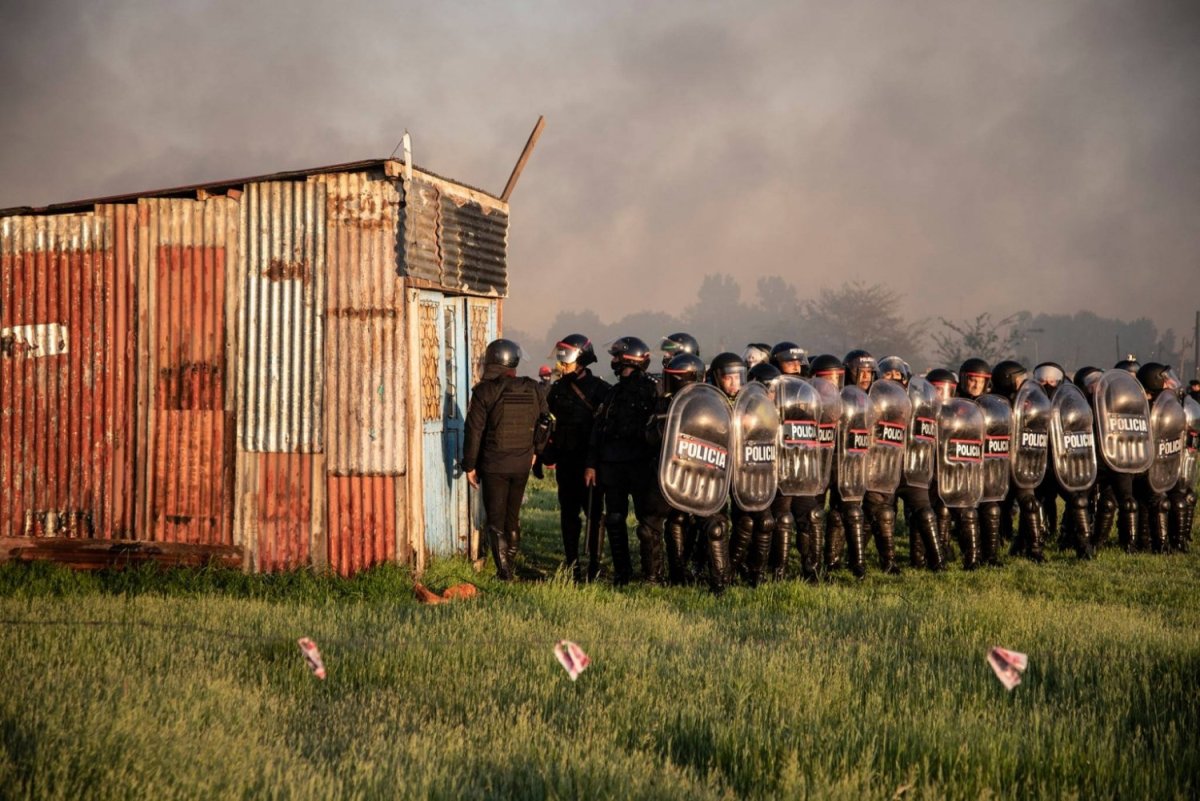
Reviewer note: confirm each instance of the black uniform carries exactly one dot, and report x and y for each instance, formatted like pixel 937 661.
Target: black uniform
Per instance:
pixel 573 400
pixel 498 443
pixel 624 463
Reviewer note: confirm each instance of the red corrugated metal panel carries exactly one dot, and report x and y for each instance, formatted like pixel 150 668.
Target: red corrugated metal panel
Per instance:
pixel 65 304
pixel 362 522
pixel 185 248
pixel 284 510
pixel 364 351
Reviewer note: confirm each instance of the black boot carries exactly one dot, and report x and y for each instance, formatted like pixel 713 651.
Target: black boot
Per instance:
pixel 811 546
pixel 1189 515
pixel 835 540
pixel 945 533
pixel 883 525
pixel 498 543
pixel 618 547
pixel 989 533
pixel 968 537
pixel 926 532
pixel 716 536
pixel 739 542
pixel 1037 536
pixel 1081 527
pixel 514 539
pixel 760 546
pixel 1160 522
pixel 650 540
pixel 677 556
pixel 856 545
pixel 1006 523
pixel 916 546
pixel 1175 534
pixel 1106 511
pixel 781 543
pixel 1127 526
pixel 1144 535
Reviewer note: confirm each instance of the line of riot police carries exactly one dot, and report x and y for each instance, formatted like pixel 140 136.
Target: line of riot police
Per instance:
pixel 731 463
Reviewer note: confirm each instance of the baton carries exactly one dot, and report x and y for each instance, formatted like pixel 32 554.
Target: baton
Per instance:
pixel 587 532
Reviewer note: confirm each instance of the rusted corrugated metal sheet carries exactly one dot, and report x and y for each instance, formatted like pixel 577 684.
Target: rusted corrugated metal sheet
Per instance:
pixel 474 241
pixel 185 252
pixel 364 349
pixel 283 522
pixel 421 253
pixel 281 331
pixel 65 417
pixel 362 522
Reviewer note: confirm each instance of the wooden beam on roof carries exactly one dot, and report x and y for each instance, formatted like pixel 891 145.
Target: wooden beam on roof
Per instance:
pixel 516 173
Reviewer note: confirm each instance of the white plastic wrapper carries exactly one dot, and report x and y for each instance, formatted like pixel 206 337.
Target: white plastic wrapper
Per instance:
pixel 572 658
pixel 312 656
pixel 1007 665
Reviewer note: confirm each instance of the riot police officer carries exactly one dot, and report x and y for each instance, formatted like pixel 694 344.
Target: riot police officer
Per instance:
pixel 831 369
pixel 573 400
pixel 621 461
pixel 499 446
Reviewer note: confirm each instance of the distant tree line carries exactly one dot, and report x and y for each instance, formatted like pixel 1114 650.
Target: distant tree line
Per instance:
pixel 862 315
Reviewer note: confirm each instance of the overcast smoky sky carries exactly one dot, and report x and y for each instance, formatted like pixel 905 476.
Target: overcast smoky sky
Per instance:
pixel 974 156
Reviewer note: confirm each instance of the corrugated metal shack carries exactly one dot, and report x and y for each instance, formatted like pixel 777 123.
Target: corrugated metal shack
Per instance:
pixel 270 372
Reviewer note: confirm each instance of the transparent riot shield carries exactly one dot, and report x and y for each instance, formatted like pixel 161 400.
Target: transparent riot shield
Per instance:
pixel 960 453
pixel 1168 426
pixel 1031 435
pixel 1072 441
pixel 798 404
pixel 694 468
pixel 892 410
pixel 854 443
pixel 755 441
pixel 997 446
pixel 920 452
pixel 831 422
pixel 1189 473
pixel 1123 423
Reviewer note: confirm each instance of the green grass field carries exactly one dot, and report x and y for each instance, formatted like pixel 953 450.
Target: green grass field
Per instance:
pixel 190 684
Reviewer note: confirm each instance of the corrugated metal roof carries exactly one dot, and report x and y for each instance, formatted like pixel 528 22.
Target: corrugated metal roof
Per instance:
pixel 216 187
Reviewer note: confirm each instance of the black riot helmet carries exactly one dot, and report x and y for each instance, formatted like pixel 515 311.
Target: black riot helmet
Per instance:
pixel 973 368
pixel 675 344
pixel 574 349
pixel 764 373
pixel 1129 364
pixel 1050 375
pixel 788 352
pixel 1086 378
pixel 830 368
pixel 724 366
pixel 1158 378
pixel 944 381
pixel 1007 377
pixel 629 352
pixel 859 364
pixel 894 364
pixel 683 369
pixel 503 352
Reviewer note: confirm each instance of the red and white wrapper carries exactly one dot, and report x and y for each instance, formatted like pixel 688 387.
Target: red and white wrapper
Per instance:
pixel 1007 665
pixel 572 658
pixel 312 656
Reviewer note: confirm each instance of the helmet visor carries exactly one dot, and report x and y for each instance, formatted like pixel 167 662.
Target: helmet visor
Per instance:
pixel 565 353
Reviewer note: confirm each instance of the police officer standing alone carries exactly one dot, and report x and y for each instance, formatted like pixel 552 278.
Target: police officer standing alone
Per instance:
pixel 498 448
pixel 573 400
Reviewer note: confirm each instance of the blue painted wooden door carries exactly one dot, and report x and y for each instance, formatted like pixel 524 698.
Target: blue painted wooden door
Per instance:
pixel 443 321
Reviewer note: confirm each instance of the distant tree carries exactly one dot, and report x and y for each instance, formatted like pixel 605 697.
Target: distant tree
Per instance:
pixel 717 318
pixel 990 340
pixel 859 315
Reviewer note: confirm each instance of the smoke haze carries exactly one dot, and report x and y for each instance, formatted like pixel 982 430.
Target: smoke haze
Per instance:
pixel 973 156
